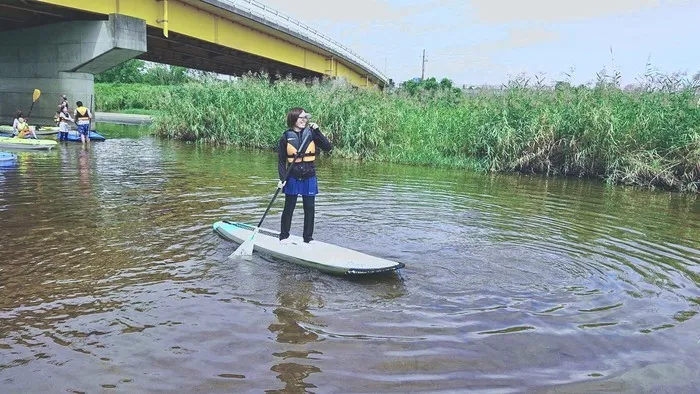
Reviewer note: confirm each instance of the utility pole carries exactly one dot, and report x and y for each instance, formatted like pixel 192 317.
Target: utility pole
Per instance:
pixel 422 73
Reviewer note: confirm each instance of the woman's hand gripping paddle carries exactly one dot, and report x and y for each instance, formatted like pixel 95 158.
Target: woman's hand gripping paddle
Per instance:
pixel 246 248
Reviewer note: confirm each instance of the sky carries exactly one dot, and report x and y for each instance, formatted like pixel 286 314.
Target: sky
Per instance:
pixel 488 42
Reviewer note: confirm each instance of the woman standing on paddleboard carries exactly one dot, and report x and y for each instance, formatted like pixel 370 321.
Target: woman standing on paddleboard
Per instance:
pixel 302 177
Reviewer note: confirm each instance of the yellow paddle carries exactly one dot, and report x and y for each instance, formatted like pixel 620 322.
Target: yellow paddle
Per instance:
pixel 35 97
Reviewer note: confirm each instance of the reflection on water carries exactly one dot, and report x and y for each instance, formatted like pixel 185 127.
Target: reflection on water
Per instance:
pixel 112 278
pixel 292 315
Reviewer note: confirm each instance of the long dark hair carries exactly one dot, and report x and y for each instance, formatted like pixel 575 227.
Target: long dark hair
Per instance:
pixel 19 114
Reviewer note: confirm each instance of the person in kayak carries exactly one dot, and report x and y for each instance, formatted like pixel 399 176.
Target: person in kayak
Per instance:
pixel 23 128
pixel 302 178
pixel 15 123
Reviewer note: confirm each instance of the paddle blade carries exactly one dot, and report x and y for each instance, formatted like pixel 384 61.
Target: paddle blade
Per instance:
pixel 36 95
pixel 246 248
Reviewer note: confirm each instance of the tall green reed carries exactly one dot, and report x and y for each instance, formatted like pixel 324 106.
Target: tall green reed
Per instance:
pixel 648 137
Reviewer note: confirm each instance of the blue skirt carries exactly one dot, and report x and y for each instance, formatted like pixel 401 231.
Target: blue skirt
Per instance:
pixel 304 187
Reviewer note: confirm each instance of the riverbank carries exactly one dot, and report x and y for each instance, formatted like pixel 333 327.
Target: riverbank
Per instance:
pixel 648 138
pixel 123 118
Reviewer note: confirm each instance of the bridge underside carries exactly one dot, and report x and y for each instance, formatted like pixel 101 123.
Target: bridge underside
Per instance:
pixel 20 14
pixel 180 50
pixel 62 58
pixel 58 45
pixel 177 49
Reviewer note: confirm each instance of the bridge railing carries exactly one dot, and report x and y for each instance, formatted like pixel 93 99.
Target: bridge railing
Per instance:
pixel 276 19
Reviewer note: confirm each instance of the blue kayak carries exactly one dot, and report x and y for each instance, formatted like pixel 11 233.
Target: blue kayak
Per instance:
pixel 94 136
pixel 4 156
pixel 7 159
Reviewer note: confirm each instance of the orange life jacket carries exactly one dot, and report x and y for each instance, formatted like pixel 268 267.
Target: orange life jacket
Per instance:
pixel 293 146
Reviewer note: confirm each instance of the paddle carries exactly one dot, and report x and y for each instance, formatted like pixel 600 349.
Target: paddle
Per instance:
pixel 246 248
pixel 35 97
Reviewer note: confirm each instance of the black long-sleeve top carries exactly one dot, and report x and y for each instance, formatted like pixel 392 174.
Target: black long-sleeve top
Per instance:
pixel 305 169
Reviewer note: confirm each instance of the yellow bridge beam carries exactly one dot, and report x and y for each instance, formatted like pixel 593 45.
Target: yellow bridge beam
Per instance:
pixel 182 17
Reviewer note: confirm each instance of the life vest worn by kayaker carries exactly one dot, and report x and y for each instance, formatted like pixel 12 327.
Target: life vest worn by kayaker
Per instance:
pixel 294 144
pixel 22 128
pixel 22 125
pixel 82 115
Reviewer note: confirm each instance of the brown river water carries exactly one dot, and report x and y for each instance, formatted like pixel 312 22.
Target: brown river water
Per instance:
pixel 112 280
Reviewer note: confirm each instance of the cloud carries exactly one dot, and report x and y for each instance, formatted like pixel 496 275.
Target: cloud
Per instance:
pixel 506 11
pixel 519 38
pixel 477 61
pixel 516 38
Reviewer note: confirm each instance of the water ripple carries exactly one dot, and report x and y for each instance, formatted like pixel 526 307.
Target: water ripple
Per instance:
pixel 112 278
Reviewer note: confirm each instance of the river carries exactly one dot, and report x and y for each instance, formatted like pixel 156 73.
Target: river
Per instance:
pixel 111 279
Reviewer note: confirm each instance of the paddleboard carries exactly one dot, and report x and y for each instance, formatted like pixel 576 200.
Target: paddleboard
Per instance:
pixel 319 255
pixel 22 143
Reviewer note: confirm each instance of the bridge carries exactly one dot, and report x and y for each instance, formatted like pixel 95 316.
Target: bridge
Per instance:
pixel 58 45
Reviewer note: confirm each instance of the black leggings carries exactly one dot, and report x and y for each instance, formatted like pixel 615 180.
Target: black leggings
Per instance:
pixel 290 202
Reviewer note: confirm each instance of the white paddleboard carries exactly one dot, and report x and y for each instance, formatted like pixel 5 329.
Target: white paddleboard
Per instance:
pixel 320 255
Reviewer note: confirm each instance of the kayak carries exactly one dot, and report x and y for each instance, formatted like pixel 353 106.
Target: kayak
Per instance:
pixel 46 132
pixel 72 136
pixel 4 156
pixel 94 136
pixel 7 159
pixel 43 130
pixel 29 135
pixel 326 257
pixel 22 143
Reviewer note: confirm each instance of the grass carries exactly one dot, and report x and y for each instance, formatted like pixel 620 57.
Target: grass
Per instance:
pixel 648 137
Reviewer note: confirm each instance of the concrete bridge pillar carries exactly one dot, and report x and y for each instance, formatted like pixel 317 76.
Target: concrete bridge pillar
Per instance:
pixel 62 58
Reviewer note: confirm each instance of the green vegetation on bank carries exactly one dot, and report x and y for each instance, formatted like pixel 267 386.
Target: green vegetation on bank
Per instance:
pixel 118 97
pixel 648 137
pixel 140 71
pixel 139 87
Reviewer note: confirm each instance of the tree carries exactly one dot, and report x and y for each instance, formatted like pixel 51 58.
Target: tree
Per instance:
pixel 415 85
pixel 166 75
pixel 139 71
pixel 130 71
pixel 430 84
pixel 445 84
